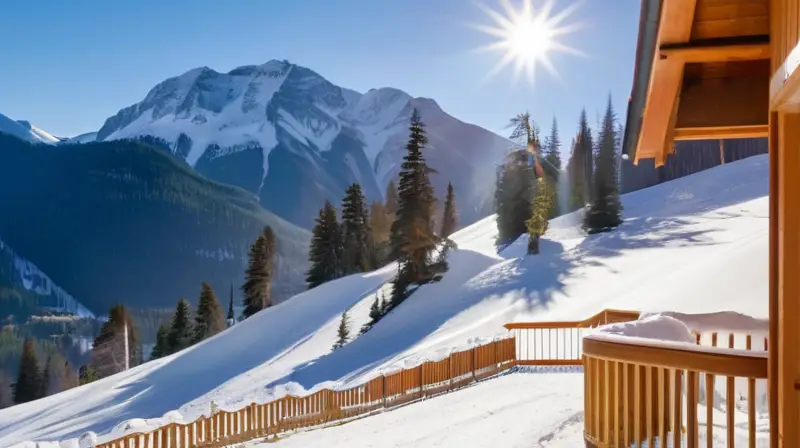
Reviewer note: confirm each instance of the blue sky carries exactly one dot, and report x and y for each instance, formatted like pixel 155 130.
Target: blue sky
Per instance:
pixel 69 65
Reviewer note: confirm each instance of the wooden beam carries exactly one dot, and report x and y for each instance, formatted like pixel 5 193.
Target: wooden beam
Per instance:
pixel 784 87
pixel 675 27
pixel 722 133
pixel 717 53
pixel 788 264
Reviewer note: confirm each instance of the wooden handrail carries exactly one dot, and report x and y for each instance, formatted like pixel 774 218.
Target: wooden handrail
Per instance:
pixel 607 316
pixel 678 355
pixel 636 390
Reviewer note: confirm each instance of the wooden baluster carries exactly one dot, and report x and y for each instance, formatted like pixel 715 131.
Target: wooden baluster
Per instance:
pixel 637 406
pixel 730 402
pixel 677 407
pixel 751 405
pixel 710 410
pixel 691 409
pixel 607 392
pixel 651 436
pixel 663 394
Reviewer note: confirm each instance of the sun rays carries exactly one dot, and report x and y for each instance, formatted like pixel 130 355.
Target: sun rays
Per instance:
pixel 527 36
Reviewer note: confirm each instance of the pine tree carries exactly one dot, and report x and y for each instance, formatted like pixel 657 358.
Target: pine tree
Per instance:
pixel 552 157
pixel 343 333
pixel 28 386
pixel 538 222
pixel 231 317
pixel 181 332
pixel 325 254
pixel 450 218
pixel 57 376
pixel 208 320
pixel 376 312
pixel 108 350
pixel 412 235
pixel 355 232
pixel 258 277
pixel 580 166
pixel 392 201
pixel 45 380
pixel 380 225
pixel 552 147
pixel 605 211
pixel 516 181
pixel 161 347
pixel 6 394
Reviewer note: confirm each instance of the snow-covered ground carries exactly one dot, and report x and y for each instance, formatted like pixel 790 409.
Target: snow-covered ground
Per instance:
pixel 694 245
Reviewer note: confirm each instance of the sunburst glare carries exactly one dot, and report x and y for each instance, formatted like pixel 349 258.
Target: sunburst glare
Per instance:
pixel 527 36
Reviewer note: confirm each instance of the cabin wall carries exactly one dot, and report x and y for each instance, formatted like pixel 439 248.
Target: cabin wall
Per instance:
pixel 690 157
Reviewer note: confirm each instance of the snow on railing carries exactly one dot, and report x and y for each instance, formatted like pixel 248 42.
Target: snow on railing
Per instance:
pixel 638 389
pixel 290 413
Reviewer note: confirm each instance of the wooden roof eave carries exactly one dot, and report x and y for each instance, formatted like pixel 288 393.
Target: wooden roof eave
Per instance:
pixel 646 49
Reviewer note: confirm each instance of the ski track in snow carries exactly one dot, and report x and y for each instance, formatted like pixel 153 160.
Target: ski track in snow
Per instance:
pixel 705 243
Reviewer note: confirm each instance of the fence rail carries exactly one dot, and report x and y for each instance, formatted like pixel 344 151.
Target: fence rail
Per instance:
pixel 559 343
pixel 290 412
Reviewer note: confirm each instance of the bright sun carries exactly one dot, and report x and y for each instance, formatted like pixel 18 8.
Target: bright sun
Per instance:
pixel 527 36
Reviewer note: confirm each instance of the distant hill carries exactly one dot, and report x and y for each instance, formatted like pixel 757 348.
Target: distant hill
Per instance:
pixel 126 222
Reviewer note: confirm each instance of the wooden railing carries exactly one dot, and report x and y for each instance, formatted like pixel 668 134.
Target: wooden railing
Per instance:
pixel 559 343
pixel 637 390
pixel 290 412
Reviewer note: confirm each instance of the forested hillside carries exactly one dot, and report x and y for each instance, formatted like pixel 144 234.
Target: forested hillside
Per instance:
pixel 125 222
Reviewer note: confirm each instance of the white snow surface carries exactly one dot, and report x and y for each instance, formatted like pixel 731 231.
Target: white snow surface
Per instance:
pixel 26 131
pixel 694 245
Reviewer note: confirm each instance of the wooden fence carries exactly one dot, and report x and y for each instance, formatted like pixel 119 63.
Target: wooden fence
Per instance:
pixel 290 412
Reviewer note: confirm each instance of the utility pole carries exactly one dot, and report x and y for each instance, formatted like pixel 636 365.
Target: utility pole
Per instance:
pixel 127 353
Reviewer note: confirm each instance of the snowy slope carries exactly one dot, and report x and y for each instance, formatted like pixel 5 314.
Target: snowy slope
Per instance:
pixel 25 131
pixel 83 138
pixel 703 237
pixel 282 127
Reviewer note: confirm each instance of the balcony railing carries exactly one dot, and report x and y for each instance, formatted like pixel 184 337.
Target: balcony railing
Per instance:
pixel 641 392
pixel 559 343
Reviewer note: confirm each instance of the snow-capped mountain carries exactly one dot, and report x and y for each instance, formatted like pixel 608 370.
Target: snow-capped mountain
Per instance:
pixel 26 131
pixel 287 134
pixel 17 273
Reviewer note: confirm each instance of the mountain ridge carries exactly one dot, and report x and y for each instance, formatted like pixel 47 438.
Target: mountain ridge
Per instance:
pixel 316 136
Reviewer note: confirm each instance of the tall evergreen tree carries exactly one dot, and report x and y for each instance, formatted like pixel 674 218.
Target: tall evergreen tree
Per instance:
pixel 208 319
pixel 161 347
pixel 6 394
pixel 605 211
pixel 181 331
pixel 380 225
pixel 538 222
pixel 325 254
pixel 231 318
pixel 581 166
pixel 343 333
pixel 57 376
pixel 552 147
pixel 392 201
pixel 450 217
pixel 28 386
pixel 356 251
pixel 258 277
pixel 108 350
pixel 412 235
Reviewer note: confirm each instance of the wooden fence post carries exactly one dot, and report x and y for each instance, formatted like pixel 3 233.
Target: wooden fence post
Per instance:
pixel 384 390
pixel 450 370
pixel 474 362
pixel 422 380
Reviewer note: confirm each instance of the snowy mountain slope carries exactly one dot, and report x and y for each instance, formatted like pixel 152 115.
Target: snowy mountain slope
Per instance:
pixel 703 237
pixel 18 275
pixel 317 137
pixel 83 138
pixel 26 131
